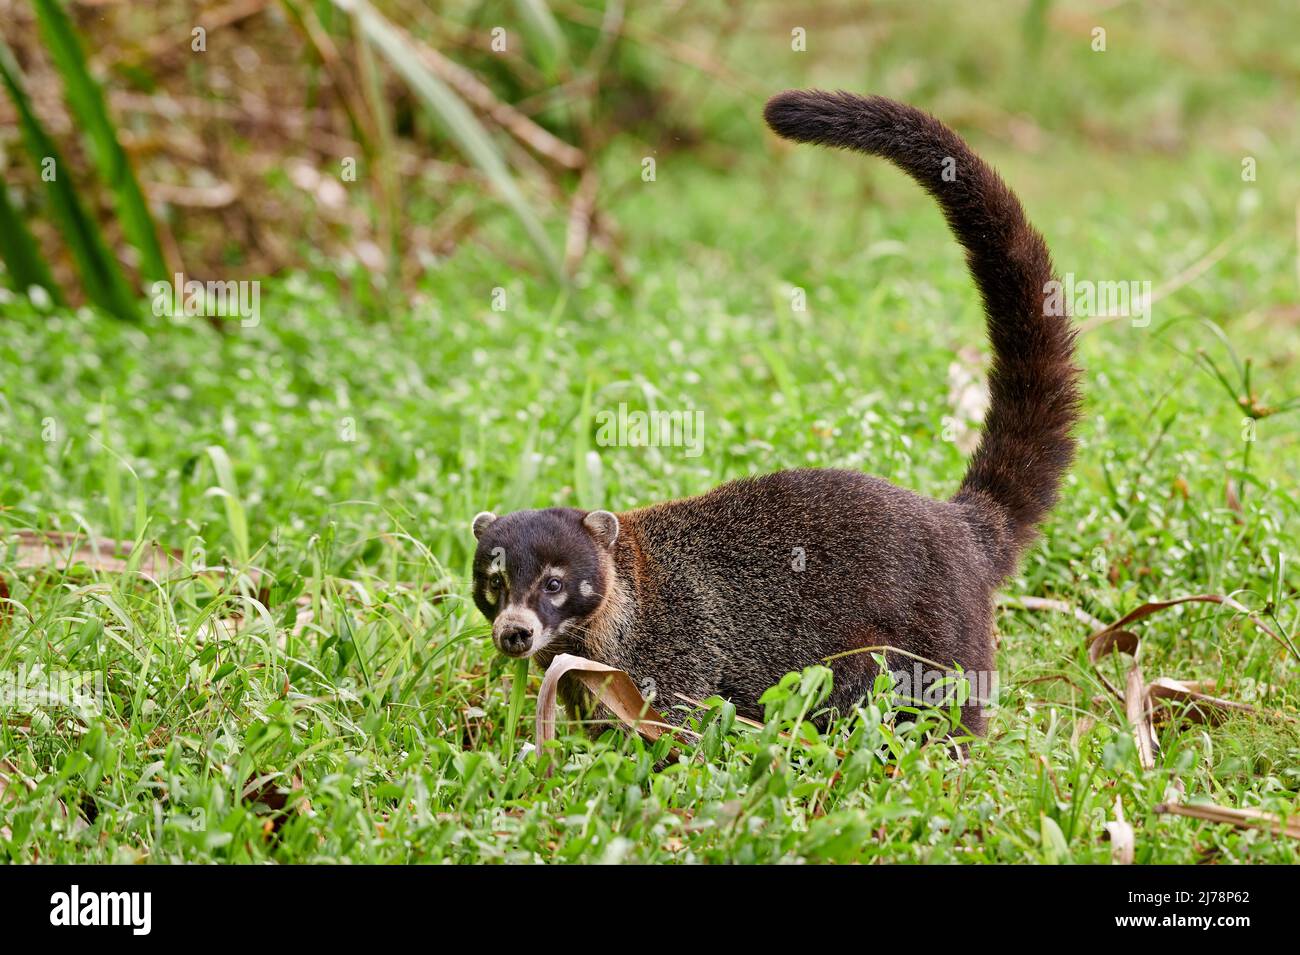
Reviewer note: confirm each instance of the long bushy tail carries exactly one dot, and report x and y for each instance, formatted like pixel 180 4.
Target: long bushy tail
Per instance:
pixel 1015 474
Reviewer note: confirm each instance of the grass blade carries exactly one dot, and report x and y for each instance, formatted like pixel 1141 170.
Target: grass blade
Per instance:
pixel 86 101
pixel 469 135
pixel 100 274
pixel 388 195
pixel 584 473
pixel 21 254
pixel 518 690
pixel 228 490
pixel 544 31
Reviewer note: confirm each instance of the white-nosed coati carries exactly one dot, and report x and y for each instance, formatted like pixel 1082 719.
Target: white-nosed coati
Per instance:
pixel 726 592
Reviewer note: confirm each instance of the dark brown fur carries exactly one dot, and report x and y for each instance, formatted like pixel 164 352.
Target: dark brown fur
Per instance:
pixel 710 595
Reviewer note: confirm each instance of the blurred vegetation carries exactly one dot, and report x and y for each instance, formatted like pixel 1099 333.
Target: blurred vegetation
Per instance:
pixel 270 135
pixel 378 140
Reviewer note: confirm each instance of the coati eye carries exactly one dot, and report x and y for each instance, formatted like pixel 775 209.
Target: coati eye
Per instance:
pixel 494 582
pixel 554 585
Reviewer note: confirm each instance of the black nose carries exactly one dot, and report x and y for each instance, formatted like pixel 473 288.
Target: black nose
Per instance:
pixel 516 640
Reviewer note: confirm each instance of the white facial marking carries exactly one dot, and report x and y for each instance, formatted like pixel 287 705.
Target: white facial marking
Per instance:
pixel 586 588
pixel 557 600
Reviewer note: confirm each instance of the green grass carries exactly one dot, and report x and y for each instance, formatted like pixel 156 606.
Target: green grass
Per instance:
pixel 361 444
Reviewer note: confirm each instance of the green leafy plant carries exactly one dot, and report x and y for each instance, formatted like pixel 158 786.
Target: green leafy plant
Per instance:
pixel 86 102
pixel 101 276
pixel 402 53
pixel 21 254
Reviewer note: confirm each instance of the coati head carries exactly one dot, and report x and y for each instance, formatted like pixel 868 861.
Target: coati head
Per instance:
pixel 540 576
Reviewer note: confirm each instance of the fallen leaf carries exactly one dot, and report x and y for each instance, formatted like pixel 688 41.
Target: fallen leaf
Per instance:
pixel 1044 603
pixel 611 686
pixel 1139 717
pixel 1122 841
pixel 1140 698
pixel 1202 707
pixel 264 791
pixel 57 549
pixel 1241 818
pixel 1157 605
pixel 1108 641
pixel 1136 708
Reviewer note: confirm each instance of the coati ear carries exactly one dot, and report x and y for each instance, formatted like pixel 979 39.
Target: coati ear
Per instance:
pixel 603 526
pixel 482 521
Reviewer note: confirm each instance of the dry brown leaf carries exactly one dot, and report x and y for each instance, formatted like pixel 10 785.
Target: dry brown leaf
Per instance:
pixel 1241 818
pixel 1106 642
pixel 1139 717
pixel 1134 697
pixel 1141 698
pixel 611 686
pixel 37 549
pixel 1202 707
pixel 1122 840
pixel 1045 603
pixel 9 775
pixel 1110 641
pixel 57 549
pixel 1157 605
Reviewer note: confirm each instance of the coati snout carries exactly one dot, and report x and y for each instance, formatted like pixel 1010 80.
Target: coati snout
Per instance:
pixel 725 593
pixel 539 576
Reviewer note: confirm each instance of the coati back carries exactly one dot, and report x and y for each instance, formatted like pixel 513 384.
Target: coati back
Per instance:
pixel 726 592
